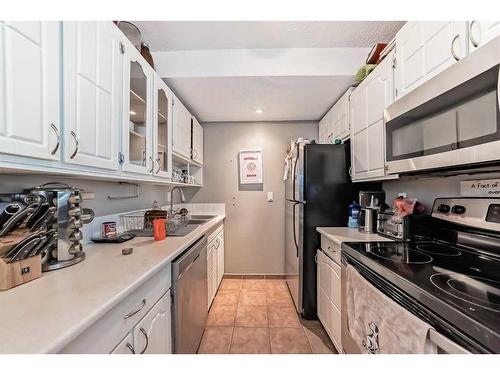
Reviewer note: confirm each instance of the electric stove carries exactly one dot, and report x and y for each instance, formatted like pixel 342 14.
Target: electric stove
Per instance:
pixel 452 271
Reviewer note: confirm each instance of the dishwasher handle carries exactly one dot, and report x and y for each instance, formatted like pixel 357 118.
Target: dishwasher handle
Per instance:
pixel 188 267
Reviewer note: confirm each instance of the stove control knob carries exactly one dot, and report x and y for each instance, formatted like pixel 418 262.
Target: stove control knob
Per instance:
pixel 444 208
pixel 459 210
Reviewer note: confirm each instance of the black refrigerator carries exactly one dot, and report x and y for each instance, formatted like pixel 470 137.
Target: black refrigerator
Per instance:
pixel 318 192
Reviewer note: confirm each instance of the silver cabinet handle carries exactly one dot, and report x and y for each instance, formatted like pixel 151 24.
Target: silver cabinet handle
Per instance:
pixel 131 348
pixel 195 154
pixel 350 171
pixel 152 164
pixel 218 243
pixel 473 40
pixel 131 314
pixel 159 167
pixel 452 47
pixel 316 258
pixel 147 340
pixel 72 156
pixel 54 128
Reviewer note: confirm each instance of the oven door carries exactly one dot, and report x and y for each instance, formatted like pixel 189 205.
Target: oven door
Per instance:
pixel 451 120
pixel 350 346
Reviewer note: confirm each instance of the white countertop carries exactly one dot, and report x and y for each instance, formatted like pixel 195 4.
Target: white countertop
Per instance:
pixel 345 234
pixel 44 315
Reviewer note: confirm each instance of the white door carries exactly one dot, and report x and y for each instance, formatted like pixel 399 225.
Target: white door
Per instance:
pixel 153 334
pixel 125 346
pixel 197 152
pixel 137 113
pixel 481 32
pixel 220 256
pixel 426 48
pixel 181 129
pixel 162 129
pixel 29 89
pixel 92 93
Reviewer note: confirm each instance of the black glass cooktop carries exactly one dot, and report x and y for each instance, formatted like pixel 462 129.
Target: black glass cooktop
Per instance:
pixel 459 284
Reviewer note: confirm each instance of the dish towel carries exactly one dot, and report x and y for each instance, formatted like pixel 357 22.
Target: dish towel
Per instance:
pixel 380 325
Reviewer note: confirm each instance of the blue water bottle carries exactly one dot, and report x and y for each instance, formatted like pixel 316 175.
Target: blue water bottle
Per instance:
pixel 354 208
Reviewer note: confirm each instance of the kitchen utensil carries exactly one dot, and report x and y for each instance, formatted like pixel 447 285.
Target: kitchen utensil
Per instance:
pixel 159 229
pixel 8 212
pixel 43 221
pixel 132 33
pixel 16 220
pixel 43 240
pixel 40 212
pixel 25 250
pixel 21 245
pixel 87 215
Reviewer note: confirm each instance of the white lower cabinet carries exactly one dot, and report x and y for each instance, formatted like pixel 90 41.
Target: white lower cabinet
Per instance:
pixel 215 262
pixel 126 346
pixel 328 297
pixel 152 335
pixel 140 323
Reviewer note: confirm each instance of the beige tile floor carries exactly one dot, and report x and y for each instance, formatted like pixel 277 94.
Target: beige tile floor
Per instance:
pixel 258 316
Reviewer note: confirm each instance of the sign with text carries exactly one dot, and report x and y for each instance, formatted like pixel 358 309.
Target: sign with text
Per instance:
pixel 251 167
pixel 480 188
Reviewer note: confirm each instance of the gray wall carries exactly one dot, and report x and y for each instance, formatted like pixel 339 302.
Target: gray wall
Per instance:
pixel 254 238
pixel 101 204
pixel 426 189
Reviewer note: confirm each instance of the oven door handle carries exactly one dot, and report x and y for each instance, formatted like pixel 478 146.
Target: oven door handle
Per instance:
pixel 445 344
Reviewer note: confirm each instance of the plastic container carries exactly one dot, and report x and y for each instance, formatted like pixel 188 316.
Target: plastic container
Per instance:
pixel 354 209
pixel 159 229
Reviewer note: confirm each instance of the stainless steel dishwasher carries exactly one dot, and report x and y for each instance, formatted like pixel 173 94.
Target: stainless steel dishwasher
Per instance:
pixel 190 297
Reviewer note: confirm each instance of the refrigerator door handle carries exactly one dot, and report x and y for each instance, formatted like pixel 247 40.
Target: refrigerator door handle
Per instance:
pixel 294 173
pixel 294 226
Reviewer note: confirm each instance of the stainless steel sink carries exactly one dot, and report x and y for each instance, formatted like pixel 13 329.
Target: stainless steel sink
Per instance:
pixel 183 230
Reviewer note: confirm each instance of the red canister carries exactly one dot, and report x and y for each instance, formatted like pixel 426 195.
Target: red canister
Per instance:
pixel 109 229
pixel 159 229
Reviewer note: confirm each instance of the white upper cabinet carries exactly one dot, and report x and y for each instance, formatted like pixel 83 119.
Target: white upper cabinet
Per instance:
pixel 325 128
pixel 181 129
pixel 367 104
pixel 197 151
pixel 481 32
pixel 162 129
pixel 341 117
pixel 92 93
pixel 426 48
pixel 137 113
pixel 29 89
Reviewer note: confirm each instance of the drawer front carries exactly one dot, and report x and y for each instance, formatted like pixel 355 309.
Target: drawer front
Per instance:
pixel 213 235
pixel 329 279
pixel 330 248
pixel 104 335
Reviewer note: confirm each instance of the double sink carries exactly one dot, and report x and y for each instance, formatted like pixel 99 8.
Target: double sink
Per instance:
pixel 189 225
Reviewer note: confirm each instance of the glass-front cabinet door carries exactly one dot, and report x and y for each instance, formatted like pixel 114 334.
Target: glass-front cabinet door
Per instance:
pixel 138 119
pixel 162 129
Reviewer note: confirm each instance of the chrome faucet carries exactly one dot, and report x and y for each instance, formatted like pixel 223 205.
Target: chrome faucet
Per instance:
pixel 183 199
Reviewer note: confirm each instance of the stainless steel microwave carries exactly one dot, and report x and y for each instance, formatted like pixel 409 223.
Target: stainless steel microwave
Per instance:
pixel 450 121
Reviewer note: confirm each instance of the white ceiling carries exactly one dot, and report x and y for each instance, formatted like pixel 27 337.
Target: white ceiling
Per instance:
pixel 202 35
pixel 195 56
pixel 280 98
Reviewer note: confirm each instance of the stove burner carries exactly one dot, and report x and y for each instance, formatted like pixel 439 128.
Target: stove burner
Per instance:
pixel 400 254
pixel 477 291
pixel 438 249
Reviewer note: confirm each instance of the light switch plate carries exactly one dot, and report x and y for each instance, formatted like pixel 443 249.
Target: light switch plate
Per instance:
pixel 270 196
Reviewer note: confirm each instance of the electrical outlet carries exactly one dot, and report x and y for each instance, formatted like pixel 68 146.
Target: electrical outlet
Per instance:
pixel 270 196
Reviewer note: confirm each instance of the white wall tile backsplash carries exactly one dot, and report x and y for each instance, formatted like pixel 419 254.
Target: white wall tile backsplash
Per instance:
pixel 94 229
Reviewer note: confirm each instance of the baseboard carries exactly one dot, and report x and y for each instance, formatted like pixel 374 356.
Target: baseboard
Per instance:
pixel 253 276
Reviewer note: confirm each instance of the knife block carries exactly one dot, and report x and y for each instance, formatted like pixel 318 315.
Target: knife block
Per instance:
pixel 20 272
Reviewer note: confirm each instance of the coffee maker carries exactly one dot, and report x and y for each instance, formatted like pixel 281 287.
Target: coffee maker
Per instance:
pixel 371 203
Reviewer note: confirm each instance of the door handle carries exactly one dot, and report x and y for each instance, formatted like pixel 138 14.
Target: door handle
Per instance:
pixel 131 348
pixel 54 128
pixel 152 164
pixel 452 47
pixel 294 233
pixel 131 314
pixel 473 40
pixel 77 144
pixel 143 331
pixel 159 167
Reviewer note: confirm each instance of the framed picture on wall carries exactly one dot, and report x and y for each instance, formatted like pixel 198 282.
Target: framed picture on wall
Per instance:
pixel 251 166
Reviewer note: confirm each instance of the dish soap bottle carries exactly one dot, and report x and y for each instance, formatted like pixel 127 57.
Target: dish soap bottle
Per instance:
pixel 354 208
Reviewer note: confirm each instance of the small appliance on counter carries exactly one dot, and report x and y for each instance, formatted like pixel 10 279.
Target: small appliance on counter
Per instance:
pixel 371 203
pixel 47 224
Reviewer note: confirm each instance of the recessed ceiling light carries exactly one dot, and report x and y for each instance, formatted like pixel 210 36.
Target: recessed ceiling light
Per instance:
pixel 259 110
pixel 132 113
